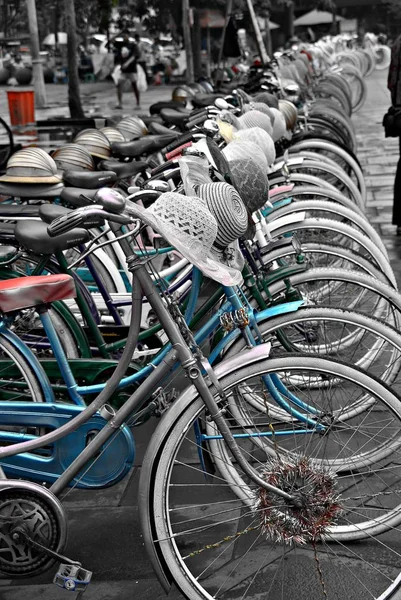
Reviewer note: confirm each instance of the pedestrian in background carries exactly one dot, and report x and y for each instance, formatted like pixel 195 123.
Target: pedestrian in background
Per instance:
pixel 127 58
pixel 394 85
pixel 141 55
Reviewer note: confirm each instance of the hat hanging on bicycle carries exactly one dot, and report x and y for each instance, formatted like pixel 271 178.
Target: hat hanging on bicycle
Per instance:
pixel 95 142
pixel 238 149
pixel 74 157
pixel 31 165
pixel 259 106
pixel 132 128
pixel 112 134
pixel 252 184
pixel 231 216
pixel 258 136
pixel 188 225
pixel 289 110
pixel 254 118
pixel 279 126
pixel 267 98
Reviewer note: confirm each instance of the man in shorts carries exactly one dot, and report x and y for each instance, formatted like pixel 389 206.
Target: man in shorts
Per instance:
pixel 128 59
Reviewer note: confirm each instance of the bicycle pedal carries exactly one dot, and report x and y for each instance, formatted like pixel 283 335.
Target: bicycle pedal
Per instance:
pixel 72 578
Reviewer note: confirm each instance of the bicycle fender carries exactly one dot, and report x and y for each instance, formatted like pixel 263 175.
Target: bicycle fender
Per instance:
pixel 47 464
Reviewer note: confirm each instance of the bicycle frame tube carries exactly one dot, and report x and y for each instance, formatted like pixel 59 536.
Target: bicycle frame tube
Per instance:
pixel 189 363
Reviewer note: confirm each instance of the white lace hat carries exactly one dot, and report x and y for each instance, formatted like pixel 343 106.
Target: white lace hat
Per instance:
pixel 188 225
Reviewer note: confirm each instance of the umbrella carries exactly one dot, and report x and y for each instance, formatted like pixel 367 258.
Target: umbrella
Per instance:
pixel 315 17
pixel 50 40
pixel 272 24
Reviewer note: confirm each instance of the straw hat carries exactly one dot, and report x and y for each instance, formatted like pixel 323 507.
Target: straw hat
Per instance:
pixel 73 156
pixel 187 224
pixel 231 216
pixel 112 134
pixel 31 165
pixel 132 127
pixel 95 142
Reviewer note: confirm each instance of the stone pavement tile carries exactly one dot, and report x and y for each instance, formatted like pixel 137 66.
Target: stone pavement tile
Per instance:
pixel 142 589
pixel 105 497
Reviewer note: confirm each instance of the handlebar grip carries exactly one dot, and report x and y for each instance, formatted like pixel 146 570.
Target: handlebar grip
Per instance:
pixel 183 139
pixel 196 121
pixel 65 223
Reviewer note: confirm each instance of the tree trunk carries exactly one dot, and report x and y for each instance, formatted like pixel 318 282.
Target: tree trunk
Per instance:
pixel 74 99
pixel 289 10
pixel 196 45
pixel 37 67
pixel 187 41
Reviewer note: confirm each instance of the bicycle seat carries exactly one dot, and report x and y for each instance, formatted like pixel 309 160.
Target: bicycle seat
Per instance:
pixel 7 234
pixel 26 292
pixel 90 179
pixel 203 100
pixel 73 196
pixel 155 109
pixel 49 212
pixel 33 236
pixel 31 190
pixel 173 117
pixel 124 170
pixel 146 145
pixel 159 129
pixel 17 211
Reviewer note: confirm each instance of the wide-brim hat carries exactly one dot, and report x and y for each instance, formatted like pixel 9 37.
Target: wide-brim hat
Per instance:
pixel 227 207
pixel 187 224
pixel 31 165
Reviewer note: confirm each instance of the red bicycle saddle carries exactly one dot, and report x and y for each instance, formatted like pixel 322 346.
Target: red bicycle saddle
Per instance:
pixel 26 292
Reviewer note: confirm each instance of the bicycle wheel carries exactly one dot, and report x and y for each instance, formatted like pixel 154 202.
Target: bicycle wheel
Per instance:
pixel 315 193
pixel 18 381
pixel 330 231
pixel 331 210
pixel 333 175
pixel 340 156
pixel 345 335
pixel 323 256
pixel 215 535
pixel 339 288
pixel 6 143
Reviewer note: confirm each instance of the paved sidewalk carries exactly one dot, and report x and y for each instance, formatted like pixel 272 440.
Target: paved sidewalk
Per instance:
pixel 98 99
pixel 379 156
pixel 104 525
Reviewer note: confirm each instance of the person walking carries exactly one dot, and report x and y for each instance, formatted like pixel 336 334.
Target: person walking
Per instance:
pixel 394 85
pixel 127 58
pixel 141 55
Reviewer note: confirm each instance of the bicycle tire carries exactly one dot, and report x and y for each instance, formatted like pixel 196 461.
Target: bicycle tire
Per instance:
pixel 209 504
pixel 344 232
